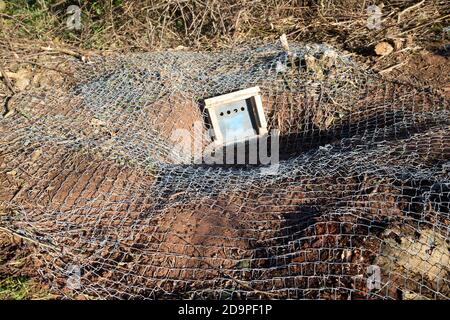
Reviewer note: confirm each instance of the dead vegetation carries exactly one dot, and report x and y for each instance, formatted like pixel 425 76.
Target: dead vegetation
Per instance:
pixel 146 24
pixel 34 35
pixel 35 39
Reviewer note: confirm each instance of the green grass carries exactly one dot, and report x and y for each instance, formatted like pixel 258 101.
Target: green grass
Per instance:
pixel 19 288
pixel 34 19
pixel 15 288
pixel 38 19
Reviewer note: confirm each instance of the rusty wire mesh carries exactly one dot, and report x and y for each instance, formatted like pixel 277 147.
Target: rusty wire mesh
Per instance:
pixel 89 172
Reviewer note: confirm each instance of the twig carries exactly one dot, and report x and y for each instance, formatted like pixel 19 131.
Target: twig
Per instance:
pixel 7 81
pixel 58 3
pixel 7 111
pixel 425 24
pixel 409 48
pixel 66 51
pixel 19 191
pixel 47 67
pixel 15 233
pixel 409 9
pixel 392 67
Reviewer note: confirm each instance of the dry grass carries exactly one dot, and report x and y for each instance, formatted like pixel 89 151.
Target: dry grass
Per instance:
pixel 150 24
pixel 33 33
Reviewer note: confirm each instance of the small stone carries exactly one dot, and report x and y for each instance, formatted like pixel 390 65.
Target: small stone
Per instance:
pixel 180 48
pixel 36 154
pixel 97 122
pixel 12 173
pixel 22 78
pixel 383 48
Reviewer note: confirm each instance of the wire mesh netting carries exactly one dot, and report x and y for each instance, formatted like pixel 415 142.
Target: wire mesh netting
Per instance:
pixel 357 208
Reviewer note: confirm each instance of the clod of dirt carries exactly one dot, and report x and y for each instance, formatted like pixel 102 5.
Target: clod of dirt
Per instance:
pixel 21 78
pixel 426 69
pixel 383 48
pixel 398 43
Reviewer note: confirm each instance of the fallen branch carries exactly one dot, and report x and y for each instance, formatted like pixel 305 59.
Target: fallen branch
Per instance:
pixel 15 233
pixel 66 51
